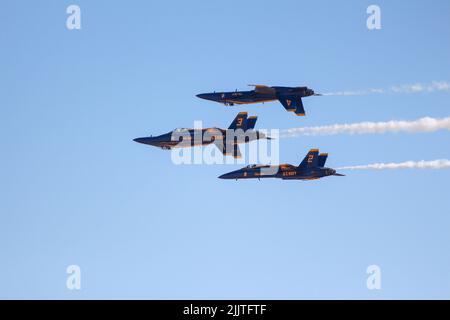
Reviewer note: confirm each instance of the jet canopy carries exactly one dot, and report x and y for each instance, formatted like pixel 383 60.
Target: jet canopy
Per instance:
pixel 286 166
pixel 181 130
pixel 253 166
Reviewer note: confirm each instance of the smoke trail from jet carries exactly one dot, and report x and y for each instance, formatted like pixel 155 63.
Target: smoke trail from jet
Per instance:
pixel 434 164
pixel 405 88
pixel 354 93
pixel 426 124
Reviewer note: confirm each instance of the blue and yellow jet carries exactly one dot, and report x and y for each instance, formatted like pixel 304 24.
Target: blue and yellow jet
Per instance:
pixel 311 168
pixel 290 97
pixel 241 130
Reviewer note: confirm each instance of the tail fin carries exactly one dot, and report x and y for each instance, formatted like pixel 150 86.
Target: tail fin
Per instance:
pixel 322 159
pixel 311 160
pixel 239 122
pixel 251 122
pixel 292 103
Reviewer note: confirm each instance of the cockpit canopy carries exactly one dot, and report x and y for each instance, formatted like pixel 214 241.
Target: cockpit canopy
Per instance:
pixel 253 166
pixel 181 130
pixel 286 166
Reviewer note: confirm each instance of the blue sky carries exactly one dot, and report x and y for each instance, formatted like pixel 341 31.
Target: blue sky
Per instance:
pixel 77 190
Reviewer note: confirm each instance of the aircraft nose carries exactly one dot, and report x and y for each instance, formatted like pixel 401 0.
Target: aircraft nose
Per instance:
pixel 229 175
pixel 232 175
pixel 225 176
pixel 147 140
pixel 140 140
pixel 206 96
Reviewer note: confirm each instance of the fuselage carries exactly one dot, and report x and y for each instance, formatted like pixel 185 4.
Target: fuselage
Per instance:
pixel 238 97
pixel 185 138
pixel 285 171
pixel 255 96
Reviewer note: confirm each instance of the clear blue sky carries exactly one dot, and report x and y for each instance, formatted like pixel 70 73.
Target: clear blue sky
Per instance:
pixel 77 190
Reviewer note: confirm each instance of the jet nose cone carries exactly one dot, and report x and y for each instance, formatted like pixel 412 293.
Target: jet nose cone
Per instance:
pixel 227 176
pixel 147 140
pixel 208 96
pixel 139 140
pixel 231 175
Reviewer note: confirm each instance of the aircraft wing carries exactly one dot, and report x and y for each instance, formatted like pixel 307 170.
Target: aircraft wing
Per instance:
pixel 230 150
pixel 292 103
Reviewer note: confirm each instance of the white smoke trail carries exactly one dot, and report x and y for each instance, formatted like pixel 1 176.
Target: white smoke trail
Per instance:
pixel 354 93
pixel 434 164
pixel 426 124
pixel 406 88
pixel 418 87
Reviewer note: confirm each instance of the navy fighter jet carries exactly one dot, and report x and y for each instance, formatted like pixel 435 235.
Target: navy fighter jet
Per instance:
pixel 241 130
pixel 311 168
pixel 290 97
